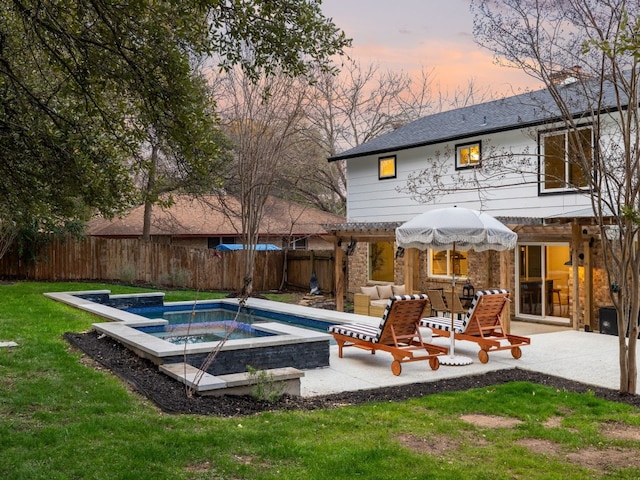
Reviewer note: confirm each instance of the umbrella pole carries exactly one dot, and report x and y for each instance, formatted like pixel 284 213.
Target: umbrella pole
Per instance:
pixel 453 292
pixel 452 335
pixel 451 358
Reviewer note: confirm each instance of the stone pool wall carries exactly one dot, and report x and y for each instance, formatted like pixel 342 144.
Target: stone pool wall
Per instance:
pixel 125 301
pixel 299 355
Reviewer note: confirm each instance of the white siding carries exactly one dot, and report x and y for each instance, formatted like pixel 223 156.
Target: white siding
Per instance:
pixel 373 200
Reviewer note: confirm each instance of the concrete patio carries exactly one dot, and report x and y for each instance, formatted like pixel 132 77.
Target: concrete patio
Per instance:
pixel 587 357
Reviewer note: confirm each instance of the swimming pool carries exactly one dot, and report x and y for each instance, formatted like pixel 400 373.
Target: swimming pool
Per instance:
pixel 220 311
pixel 288 335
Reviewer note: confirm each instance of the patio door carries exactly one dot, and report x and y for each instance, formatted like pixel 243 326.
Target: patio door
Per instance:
pixel 543 282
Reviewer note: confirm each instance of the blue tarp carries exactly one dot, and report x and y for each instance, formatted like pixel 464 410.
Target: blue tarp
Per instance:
pixel 237 246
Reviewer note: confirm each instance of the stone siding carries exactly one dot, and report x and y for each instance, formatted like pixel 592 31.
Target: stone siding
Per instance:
pixel 302 356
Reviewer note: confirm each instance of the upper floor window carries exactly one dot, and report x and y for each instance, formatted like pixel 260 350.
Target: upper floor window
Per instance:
pixel 468 155
pixel 564 153
pixel 387 167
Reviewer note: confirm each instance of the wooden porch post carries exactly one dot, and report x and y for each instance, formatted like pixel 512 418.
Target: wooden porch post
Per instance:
pixel 338 256
pixel 409 264
pixel 588 286
pixel 575 288
pixel 505 282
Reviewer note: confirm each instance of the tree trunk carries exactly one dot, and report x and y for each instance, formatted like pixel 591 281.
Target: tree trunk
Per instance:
pixel 149 193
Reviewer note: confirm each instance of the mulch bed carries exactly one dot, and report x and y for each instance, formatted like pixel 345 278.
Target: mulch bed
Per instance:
pixel 170 395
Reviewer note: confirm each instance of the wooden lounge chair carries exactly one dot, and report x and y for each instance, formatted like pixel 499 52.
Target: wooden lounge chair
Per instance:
pixel 443 301
pixel 398 334
pixel 482 324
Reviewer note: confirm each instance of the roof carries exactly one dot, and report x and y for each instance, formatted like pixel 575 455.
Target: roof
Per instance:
pixel 580 215
pixel 205 216
pixel 358 230
pixel 519 111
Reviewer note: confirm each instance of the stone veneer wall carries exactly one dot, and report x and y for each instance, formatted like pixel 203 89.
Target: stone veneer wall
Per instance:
pixel 358 269
pixel 479 263
pixel 303 356
pixel 484 272
pixel 125 302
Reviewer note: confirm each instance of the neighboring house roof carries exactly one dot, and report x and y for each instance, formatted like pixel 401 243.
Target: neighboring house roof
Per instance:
pixel 519 111
pixel 205 216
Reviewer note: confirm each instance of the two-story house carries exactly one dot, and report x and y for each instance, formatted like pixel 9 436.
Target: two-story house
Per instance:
pixel 509 158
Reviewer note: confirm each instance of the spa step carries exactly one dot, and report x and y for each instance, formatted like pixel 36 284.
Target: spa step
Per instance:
pixel 185 373
pixel 283 380
pixel 276 374
pixel 232 383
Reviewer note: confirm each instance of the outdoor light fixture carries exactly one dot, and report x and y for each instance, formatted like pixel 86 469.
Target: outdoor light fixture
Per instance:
pixel 351 247
pixel 400 252
pixel 570 261
pixel 468 290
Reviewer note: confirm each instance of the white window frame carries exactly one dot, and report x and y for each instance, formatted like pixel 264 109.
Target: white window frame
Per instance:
pixel 567 166
pixel 389 267
pixel 298 243
pixel 449 274
pixel 473 162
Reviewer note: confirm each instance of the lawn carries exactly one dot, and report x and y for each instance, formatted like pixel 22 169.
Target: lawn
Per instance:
pixel 60 418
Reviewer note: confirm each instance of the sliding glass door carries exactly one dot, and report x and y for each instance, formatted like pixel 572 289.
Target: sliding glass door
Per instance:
pixel 544 276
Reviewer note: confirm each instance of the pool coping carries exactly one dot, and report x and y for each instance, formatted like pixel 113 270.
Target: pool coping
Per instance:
pixel 121 324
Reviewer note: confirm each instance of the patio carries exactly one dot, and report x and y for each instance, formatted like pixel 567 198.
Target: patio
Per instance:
pixel 557 351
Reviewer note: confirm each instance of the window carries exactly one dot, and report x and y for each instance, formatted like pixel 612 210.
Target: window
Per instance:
pixel 468 155
pixel 381 261
pixel 386 167
pixel 444 263
pixel 213 242
pixel 298 243
pixel 563 156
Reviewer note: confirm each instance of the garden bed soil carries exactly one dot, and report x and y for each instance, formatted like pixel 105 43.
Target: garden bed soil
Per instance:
pixel 170 395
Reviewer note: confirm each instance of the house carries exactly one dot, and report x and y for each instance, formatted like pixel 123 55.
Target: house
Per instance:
pixel 506 157
pixel 212 220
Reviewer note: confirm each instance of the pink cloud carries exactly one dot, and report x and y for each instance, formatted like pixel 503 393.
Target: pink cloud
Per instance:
pixel 414 34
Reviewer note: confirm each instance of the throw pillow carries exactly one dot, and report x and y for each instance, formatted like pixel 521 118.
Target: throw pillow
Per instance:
pixel 371 291
pixel 398 289
pixel 385 291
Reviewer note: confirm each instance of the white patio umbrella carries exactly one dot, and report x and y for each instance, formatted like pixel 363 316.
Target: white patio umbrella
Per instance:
pixel 457 229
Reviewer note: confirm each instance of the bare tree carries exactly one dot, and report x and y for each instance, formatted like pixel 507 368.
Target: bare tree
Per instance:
pixel 546 39
pixel 262 119
pixel 363 103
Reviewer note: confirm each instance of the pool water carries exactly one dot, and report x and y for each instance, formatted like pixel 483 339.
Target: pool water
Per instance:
pixel 212 312
pixel 211 315
pixel 201 332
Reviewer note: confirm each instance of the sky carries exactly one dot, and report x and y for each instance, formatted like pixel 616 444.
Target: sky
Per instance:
pixel 408 35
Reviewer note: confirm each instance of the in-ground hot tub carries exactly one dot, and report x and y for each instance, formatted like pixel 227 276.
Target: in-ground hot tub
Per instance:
pixel 282 335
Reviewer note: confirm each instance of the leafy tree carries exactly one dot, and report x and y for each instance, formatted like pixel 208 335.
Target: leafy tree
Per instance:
pixel 545 38
pixel 83 86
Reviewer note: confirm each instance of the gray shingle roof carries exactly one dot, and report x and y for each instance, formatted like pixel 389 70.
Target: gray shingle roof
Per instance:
pixel 519 111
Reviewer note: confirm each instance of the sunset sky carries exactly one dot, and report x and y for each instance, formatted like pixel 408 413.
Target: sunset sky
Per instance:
pixel 410 34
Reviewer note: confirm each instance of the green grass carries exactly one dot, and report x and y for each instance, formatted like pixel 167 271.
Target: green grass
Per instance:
pixel 60 419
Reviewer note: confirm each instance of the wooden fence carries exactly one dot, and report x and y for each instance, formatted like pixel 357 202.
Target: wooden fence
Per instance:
pixel 301 264
pixel 135 261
